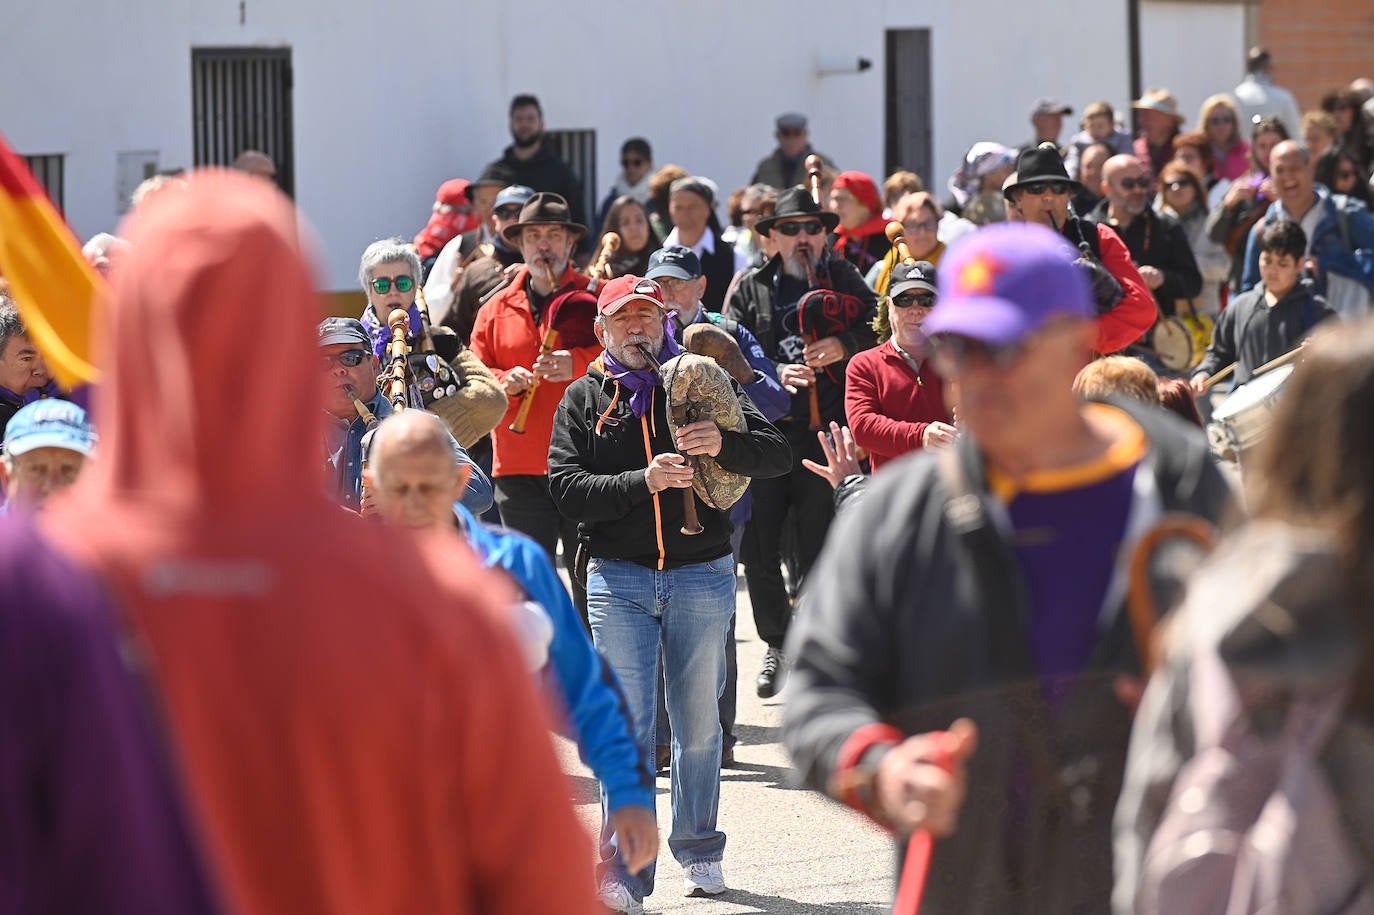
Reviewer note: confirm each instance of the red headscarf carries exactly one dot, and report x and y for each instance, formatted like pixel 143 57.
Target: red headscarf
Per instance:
pixel 866 192
pixel 309 665
pixel 446 222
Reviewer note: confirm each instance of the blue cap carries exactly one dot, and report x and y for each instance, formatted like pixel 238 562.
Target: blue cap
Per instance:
pixel 675 261
pixel 343 330
pixel 516 194
pixel 1003 282
pixel 50 423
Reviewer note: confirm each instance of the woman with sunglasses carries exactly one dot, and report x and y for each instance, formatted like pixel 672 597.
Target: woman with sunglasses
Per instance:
pixel 1356 130
pixel 1221 122
pixel 1181 196
pixel 636 168
pixel 473 402
pixel 894 400
pixel 1339 169
pixel 629 219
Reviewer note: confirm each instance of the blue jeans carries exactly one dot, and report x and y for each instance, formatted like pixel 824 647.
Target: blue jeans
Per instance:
pixel 635 613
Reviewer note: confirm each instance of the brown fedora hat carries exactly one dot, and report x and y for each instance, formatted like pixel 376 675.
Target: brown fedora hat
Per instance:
pixel 544 209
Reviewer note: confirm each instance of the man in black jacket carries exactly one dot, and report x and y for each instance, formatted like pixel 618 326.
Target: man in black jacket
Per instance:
pixel 766 302
pixel 986 584
pixel 1158 246
pixel 651 588
pixel 532 163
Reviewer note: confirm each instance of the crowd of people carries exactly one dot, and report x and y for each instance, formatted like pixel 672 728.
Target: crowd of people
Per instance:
pixel 286 633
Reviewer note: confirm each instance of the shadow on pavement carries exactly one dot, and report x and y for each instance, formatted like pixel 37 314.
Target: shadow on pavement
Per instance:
pixel 779 777
pixel 781 905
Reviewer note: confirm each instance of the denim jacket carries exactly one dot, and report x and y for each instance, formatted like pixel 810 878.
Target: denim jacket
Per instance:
pixel 1327 244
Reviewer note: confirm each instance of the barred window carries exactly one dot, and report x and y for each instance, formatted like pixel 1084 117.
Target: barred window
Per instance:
pixel 48 170
pixel 578 149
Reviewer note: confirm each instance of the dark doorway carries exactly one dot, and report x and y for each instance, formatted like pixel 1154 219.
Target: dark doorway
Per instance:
pixel 578 149
pixel 241 99
pixel 907 116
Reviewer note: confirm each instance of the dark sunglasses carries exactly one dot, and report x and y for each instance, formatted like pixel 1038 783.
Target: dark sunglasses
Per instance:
pixel 382 284
pixel 791 132
pixel 810 227
pixel 1036 188
pixel 351 358
pixel 953 354
pixel 907 299
pixel 631 163
pixel 1134 184
pixel 508 212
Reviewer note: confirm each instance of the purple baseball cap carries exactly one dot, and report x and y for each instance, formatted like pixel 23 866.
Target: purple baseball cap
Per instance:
pixel 1002 283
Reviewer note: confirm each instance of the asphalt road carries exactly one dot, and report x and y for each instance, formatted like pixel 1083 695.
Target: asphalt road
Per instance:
pixel 788 850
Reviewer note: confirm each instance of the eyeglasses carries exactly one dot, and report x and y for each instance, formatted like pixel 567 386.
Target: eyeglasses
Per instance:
pixel 382 284
pixel 508 212
pixel 810 227
pixel 631 163
pixel 953 354
pixel 1134 184
pixel 1179 185
pixel 450 208
pixel 350 358
pixel 919 299
pixel 673 282
pixel 791 132
pixel 911 228
pixel 1221 119
pixel 1036 188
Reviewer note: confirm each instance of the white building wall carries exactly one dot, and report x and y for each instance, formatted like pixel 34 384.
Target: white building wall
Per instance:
pixel 389 101
pixel 1194 50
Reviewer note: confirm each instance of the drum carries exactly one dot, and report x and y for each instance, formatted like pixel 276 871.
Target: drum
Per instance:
pixel 1173 344
pixel 1243 418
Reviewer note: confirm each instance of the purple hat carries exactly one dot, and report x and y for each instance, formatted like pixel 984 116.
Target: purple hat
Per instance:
pixel 1003 282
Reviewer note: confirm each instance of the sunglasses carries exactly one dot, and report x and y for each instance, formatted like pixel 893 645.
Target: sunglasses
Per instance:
pixel 1036 188
pixel 1179 185
pixel 953 354
pixel 791 132
pixel 631 163
pixel 1221 119
pixel 920 299
pixel 508 212
pixel 382 284
pixel 810 227
pixel 1134 184
pixel 351 358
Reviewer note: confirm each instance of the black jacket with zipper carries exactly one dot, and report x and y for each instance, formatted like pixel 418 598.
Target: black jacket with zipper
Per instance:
pixel 597 461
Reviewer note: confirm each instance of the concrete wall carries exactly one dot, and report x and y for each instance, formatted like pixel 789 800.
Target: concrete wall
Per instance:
pixel 389 104
pixel 1192 49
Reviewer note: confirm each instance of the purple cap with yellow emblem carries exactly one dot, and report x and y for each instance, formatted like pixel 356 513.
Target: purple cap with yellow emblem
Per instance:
pixel 1002 283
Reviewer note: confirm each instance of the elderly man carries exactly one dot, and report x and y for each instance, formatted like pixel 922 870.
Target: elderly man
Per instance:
pixel 1160 122
pixel 455 384
pixel 441 286
pixel 351 371
pixel 785 165
pixel 768 302
pixel 46 445
pixel 490 268
pixel 1258 97
pixel 981 591
pixel 533 162
pixel 1340 233
pixel 1158 245
pixel 256 163
pixel 1047 119
pixel 650 587
pixel 508 337
pixel 24 376
pixel 417 481
pixel 1041 192
pixel 691 204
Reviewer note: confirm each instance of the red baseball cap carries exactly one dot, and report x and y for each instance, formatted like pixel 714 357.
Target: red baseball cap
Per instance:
pixel 624 289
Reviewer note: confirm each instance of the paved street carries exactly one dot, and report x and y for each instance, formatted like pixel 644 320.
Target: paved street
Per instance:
pixel 789 850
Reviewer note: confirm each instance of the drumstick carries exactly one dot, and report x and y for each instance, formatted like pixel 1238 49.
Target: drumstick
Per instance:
pixel 1282 360
pixel 1219 376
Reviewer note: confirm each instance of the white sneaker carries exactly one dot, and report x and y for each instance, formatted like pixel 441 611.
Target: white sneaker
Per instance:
pixel 617 897
pixel 704 878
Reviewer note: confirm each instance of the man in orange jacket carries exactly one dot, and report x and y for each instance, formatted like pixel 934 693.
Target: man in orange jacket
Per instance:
pixel 545 294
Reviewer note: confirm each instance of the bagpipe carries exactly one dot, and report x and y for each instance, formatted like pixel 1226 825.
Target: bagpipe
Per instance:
pixel 1107 289
pixel 572 317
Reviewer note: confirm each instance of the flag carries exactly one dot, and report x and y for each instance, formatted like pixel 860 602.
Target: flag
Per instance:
pixel 51 283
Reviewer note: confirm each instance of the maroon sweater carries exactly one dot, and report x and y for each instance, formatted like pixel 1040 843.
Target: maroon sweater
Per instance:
pixel 888 405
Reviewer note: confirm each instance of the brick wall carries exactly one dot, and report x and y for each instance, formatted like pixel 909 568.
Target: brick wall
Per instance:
pixel 1317 44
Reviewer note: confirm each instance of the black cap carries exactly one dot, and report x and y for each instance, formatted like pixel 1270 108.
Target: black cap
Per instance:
pixel 906 277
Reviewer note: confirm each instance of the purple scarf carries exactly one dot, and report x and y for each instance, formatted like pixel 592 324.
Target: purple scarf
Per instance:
pixel 641 382
pixel 381 334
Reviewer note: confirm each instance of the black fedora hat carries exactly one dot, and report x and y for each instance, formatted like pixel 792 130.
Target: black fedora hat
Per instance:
pixel 544 209
pixel 1041 163
pixel 796 201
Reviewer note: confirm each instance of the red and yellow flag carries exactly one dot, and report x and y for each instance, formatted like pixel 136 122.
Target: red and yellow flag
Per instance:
pixel 51 283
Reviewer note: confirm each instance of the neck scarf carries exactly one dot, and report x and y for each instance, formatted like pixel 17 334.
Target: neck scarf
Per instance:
pixel 641 382
pixel 381 334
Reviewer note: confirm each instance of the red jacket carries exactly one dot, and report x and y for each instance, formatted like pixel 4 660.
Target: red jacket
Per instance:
pixel 1136 312
pixel 505 336
pixel 888 405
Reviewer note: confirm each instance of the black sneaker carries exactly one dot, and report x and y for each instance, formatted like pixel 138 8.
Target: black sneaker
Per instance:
pixel 773 675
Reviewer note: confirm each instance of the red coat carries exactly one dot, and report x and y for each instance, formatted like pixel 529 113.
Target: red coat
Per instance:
pixel 888 405
pixel 505 336
pixel 1136 312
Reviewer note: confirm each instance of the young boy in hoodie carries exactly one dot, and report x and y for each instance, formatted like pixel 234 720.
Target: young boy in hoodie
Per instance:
pixel 1272 318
